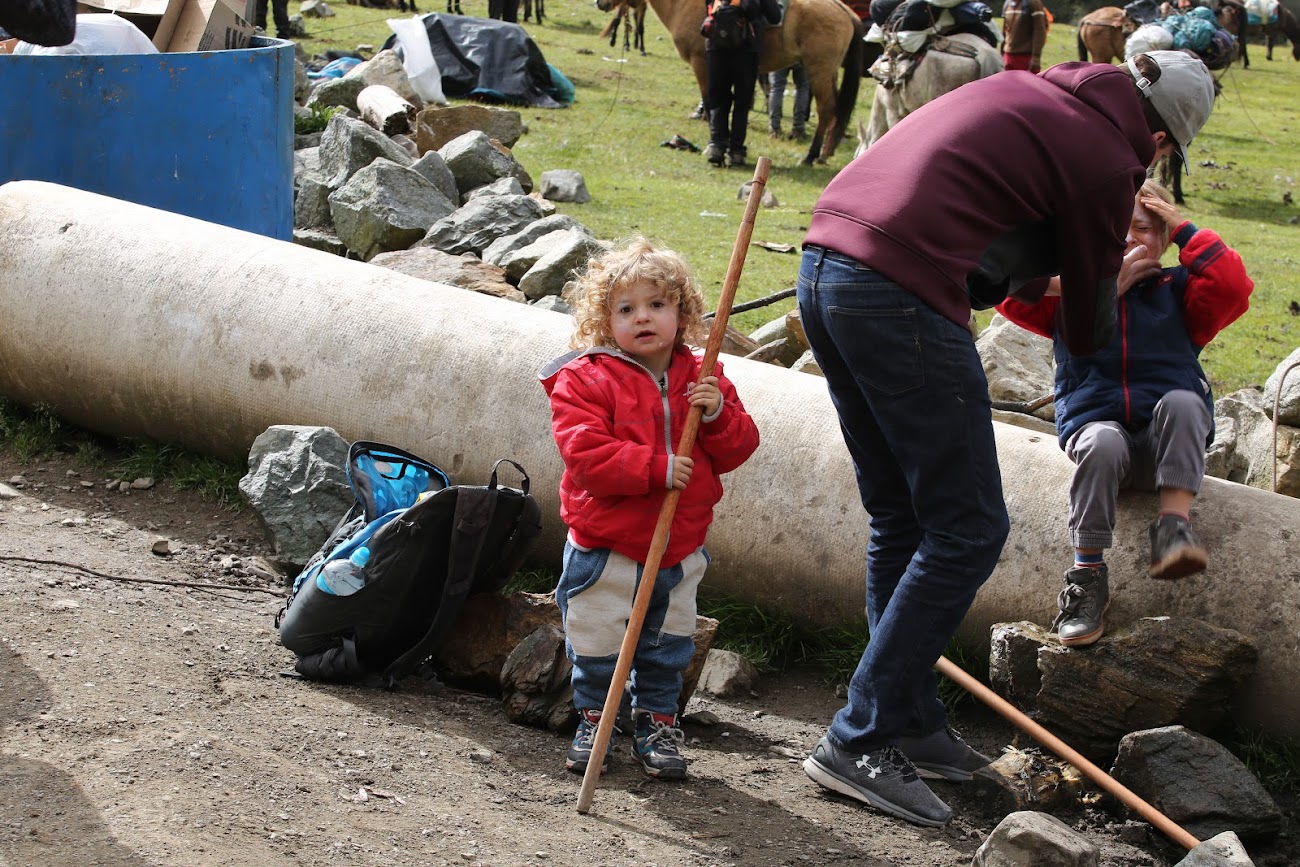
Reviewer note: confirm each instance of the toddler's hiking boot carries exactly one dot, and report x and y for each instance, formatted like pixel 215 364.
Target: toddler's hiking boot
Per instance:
pixel 885 779
pixel 714 154
pixel 657 744
pixel 584 739
pixel 1175 550
pixel 942 755
pixel 1083 603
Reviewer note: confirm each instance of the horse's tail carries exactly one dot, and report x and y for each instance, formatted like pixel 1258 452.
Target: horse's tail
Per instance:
pixel 1083 49
pixel 849 81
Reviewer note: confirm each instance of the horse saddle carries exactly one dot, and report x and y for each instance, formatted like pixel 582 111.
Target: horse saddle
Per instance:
pixel 895 70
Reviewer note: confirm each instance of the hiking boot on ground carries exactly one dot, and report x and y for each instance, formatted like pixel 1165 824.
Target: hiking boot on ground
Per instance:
pixel 736 159
pixel 798 134
pixel 657 745
pixel 775 131
pixel 714 154
pixel 885 779
pixel 1083 603
pixel 1175 550
pixel 584 739
pixel 942 755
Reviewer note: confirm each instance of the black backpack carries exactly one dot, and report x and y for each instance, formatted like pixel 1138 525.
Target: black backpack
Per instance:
pixel 431 545
pixel 726 25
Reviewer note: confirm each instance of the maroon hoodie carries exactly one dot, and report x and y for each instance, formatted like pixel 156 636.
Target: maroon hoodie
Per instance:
pixel 1002 182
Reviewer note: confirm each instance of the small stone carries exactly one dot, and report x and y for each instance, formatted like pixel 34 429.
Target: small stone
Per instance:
pixel 162 548
pixel 124 486
pixel 143 484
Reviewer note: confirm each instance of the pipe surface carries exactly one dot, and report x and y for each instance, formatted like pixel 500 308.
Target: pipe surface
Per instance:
pixel 137 322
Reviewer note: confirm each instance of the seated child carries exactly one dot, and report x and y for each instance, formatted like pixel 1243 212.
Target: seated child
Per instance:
pixel 1139 413
pixel 618 404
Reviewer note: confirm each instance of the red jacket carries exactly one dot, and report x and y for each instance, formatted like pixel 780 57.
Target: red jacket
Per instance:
pixel 612 423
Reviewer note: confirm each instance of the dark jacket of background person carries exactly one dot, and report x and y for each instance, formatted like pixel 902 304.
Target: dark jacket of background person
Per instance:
pixel 1046 188
pixel 732 76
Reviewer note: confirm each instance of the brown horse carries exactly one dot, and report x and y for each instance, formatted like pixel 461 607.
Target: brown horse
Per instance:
pixel 824 35
pixel 1232 18
pixel 1102 34
pixel 629 13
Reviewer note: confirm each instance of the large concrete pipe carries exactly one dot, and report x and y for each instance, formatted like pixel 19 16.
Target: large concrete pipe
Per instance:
pixel 138 322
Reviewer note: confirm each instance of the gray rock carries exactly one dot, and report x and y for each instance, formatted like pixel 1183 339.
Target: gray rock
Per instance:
pixel 1224 850
pixel 311 206
pixel 1250 456
pixel 553 303
pixel 1018 364
pixel 1029 839
pixel 1196 782
pixel 386 69
pixel 500 187
pixel 807 364
pixel 434 168
pixel 727 673
pixel 385 206
pixel 498 250
pixel 297 485
pixel 1289 382
pixel 320 239
pixel 566 252
pixel 306 161
pixel 1159 671
pixel 476 224
pixel 349 145
pixel 564 185
pixel 475 161
pixel 337 91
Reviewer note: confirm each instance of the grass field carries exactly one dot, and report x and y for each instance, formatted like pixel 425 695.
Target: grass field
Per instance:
pixel 626 105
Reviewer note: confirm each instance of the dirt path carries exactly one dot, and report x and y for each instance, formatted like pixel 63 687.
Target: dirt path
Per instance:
pixel 152 724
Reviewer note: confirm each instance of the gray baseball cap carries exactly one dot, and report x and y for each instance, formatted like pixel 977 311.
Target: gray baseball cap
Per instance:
pixel 1183 96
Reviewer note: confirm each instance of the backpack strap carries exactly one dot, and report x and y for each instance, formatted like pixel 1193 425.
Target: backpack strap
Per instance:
pixel 473 516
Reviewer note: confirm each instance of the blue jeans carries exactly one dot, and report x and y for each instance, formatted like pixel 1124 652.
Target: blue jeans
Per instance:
pixel 595 595
pixel 914 409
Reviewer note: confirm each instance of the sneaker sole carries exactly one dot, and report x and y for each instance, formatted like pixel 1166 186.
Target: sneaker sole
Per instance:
pixel 662 773
pixel 828 779
pixel 943 772
pixel 581 767
pixel 1180 564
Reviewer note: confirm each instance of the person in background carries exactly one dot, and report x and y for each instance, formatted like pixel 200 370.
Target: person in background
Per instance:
pixel 1139 412
pixel 619 403
pixel 279 14
pixel 733 72
pixel 802 101
pixel 886 287
pixel 1024 33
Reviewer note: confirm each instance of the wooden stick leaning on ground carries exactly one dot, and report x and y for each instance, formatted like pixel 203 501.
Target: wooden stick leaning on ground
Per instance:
pixel 1167 826
pixel 659 542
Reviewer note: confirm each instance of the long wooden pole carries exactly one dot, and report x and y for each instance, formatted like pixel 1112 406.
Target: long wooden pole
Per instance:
pixel 659 542
pixel 1162 822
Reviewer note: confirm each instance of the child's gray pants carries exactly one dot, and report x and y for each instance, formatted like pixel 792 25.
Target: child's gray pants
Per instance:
pixel 1168 453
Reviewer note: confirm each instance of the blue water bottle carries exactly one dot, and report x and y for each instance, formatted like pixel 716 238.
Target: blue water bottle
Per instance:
pixel 344 577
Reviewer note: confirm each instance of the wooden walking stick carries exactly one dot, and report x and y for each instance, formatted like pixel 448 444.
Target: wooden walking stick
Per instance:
pixel 659 542
pixel 1166 825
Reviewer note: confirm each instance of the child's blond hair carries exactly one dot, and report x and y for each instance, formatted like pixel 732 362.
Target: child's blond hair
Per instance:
pixel 1152 187
pixel 635 261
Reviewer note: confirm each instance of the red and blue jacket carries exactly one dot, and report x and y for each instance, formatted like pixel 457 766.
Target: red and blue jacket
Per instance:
pixel 1163 323
pixel 616 428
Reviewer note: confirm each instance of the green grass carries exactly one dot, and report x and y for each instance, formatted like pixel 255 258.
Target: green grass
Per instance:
pixel 1274 760
pixel 626 105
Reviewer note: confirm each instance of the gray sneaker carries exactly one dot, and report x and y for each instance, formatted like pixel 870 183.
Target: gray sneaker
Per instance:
pixel 942 755
pixel 1083 604
pixel 885 779
pixel 1175 550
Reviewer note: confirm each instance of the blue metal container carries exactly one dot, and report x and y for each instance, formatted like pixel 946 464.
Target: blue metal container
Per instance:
pixel 207 134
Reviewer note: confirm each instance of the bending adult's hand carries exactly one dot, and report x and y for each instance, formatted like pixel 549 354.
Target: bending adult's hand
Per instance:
pixel 1138 265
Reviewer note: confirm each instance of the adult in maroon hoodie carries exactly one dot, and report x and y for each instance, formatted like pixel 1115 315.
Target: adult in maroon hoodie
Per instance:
pixel 987 191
